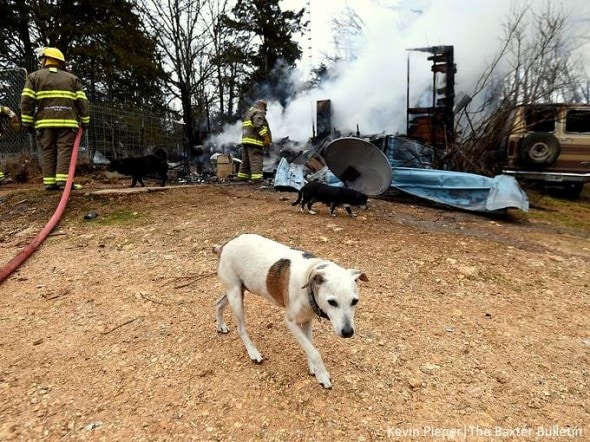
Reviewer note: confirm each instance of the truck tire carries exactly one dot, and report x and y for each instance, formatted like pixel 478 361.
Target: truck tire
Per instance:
pixel 539 149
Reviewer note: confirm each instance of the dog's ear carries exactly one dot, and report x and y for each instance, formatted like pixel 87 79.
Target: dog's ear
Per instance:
pixel 217 248
pixel 358 275
pixel 315 277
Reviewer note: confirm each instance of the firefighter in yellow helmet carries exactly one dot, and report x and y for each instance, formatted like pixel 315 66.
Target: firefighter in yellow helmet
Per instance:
pixel 256 137
pixel 54 104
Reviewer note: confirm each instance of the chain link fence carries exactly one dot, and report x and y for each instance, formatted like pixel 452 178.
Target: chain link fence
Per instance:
pixel 114 132
pixel 117 133
pixel 12 139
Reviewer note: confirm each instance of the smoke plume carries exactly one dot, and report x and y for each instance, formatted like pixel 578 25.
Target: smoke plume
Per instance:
pixel 370 91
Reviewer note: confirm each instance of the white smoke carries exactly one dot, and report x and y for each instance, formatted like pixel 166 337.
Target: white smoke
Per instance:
pixel 232 133
pixel 371 90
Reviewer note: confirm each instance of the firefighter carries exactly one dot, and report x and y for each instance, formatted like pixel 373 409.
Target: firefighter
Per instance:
pixel 6 112
pixel 256 137
pixel 54 104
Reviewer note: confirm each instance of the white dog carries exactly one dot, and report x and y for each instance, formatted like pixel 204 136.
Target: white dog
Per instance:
pixel 304 285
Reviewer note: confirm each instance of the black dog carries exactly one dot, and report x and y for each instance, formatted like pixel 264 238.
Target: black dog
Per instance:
pixel 331 196
pixel 137 168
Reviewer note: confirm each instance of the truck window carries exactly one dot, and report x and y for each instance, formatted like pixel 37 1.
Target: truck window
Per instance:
pixel 577 120
pixel 540 119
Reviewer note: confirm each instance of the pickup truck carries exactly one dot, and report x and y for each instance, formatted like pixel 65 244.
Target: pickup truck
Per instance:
pixel 549 143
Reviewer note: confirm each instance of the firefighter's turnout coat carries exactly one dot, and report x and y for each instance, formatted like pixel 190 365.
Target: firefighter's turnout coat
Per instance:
pixel 54 102
pixel 255 129
pixel 255 137
pixel 53 98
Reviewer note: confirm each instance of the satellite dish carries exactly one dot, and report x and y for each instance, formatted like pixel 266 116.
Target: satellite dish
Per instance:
pixel 359 164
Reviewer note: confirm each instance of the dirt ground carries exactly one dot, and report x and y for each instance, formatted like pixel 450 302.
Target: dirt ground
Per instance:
pixel 471 327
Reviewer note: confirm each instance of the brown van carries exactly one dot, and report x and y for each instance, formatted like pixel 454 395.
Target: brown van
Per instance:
pixel 550 143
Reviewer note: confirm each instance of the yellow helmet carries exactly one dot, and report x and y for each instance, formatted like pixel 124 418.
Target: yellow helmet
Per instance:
pixel 53 53
pixel 260 104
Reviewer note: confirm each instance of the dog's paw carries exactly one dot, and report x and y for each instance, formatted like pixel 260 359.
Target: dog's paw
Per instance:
pixel 324 379
pixel 256 357
pixel 222 329
pixel 311 212
pixel 321 375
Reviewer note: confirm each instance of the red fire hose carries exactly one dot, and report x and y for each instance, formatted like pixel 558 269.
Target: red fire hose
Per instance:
pixel 15 262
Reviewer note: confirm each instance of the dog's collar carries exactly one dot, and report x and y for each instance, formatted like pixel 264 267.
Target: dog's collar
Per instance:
pixel 314 304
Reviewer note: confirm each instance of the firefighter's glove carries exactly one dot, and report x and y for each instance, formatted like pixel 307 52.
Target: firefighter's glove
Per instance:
pixel 266 141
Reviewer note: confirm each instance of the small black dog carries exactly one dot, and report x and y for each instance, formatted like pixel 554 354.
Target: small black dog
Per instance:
pixel 137 168
pixel 331 196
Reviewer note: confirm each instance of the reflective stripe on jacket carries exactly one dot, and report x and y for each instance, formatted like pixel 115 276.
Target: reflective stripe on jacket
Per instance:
pixel 255 127
pixel 54 98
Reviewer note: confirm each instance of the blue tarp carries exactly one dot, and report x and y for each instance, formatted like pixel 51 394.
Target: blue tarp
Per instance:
pixel 461 190
pixel 289 176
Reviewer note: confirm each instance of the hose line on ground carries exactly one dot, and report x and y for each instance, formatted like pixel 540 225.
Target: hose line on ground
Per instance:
pixel 15 262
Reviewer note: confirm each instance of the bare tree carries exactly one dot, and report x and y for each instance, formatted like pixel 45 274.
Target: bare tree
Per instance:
pixel 226 56
pixel 347 27
pixel 211 56
pixel 535 64
pixel 182 28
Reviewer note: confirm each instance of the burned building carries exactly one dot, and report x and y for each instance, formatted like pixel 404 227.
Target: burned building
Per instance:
pixel 434 124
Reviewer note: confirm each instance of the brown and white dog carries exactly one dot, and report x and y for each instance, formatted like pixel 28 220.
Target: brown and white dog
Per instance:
pixel 306 286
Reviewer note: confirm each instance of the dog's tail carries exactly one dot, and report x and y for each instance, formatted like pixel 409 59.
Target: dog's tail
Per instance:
pixel 299 196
